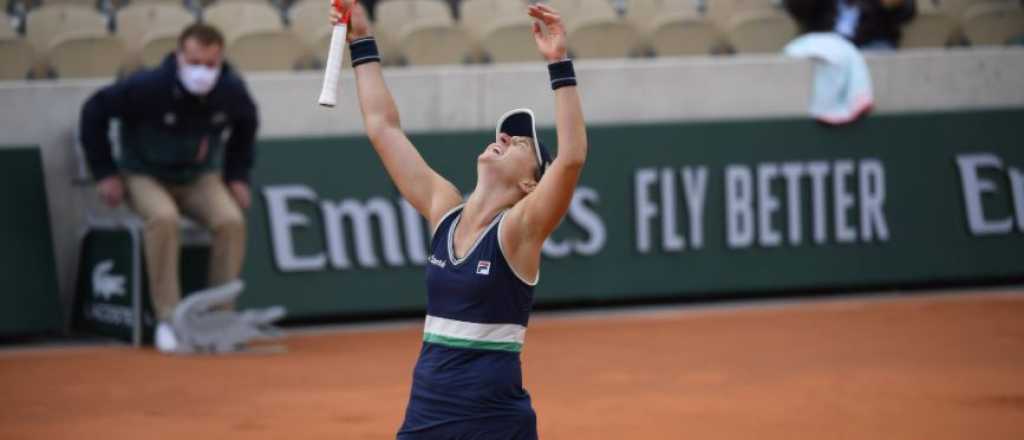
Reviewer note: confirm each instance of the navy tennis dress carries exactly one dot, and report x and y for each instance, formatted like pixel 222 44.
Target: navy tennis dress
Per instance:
pixel 468 383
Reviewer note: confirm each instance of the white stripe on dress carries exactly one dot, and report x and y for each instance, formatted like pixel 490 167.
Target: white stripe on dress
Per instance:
pixel 473 331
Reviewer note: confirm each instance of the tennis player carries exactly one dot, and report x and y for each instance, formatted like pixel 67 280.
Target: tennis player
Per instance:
pixel 485 250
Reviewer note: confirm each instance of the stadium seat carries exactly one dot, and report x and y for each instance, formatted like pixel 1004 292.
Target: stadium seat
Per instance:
pixel 643 13
pixel 165 2
pixel 509 41
pixel 308 19
pixel 45 24
pixel 672 27
pixel 760 31
pixel 308 22
pixel 723 11
pixel 7 29
pixel 955 9
pixel 270 50
pixel 931 27
pixel 432 43
pixel 135 21
pixel 993 23
pixel 234 19
pixel 483 14
pixel 156 44
pixel 266 48
pixel 684 35
pixel 595 30
pixel 310 26
pixel 391 17
pixel 17 54
pixel 86 54
pixel 84 3
pixel 753 26
pixel 500 29
pixel 399 19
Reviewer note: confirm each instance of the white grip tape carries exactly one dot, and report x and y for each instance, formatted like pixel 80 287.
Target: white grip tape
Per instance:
pixel 332 72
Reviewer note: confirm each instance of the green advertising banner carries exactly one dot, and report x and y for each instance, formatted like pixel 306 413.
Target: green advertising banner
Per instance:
pixel 112 290
pixel 28 302
pixel 667 210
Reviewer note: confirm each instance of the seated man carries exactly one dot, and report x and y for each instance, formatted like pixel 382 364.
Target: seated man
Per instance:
pixel 868 24
pixel 174 159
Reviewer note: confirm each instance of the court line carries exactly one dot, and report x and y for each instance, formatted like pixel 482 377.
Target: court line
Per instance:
pixel 664 311
pixel 831 302
pixel 851 300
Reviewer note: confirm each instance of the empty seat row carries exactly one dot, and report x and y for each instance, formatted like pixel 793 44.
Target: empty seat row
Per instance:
pixel 423 32
pixel 74 41
pixel 954 22
pixel 674 27
pixel 499 30
pixel 16 53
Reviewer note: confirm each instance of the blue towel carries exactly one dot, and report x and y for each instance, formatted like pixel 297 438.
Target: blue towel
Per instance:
pixel 842 83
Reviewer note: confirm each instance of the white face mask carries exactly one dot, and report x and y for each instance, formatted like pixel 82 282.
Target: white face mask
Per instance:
pixel 197 79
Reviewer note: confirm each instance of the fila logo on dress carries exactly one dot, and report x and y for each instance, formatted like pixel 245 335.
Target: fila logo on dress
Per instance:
pixel 483 267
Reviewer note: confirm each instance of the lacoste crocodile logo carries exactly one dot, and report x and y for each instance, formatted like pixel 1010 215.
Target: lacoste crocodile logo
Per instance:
pixel 104 284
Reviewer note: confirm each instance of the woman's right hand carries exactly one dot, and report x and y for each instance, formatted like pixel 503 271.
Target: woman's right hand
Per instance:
pixel 359 24
pixel 549 32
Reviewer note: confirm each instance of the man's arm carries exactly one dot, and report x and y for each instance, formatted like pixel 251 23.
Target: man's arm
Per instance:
pixel 431 194
pixel 240 152
pixel 94 125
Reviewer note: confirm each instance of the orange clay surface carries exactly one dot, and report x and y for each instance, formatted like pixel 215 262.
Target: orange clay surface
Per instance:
pixel 923 367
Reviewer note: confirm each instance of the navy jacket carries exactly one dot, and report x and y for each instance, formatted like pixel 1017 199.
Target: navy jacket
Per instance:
pixel 876 21
pixel 164 129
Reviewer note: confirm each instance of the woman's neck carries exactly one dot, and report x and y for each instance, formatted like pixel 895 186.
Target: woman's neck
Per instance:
pixel 483 205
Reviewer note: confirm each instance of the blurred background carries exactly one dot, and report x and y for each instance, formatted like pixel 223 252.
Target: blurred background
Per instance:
pixel 731 157
pixel 799 218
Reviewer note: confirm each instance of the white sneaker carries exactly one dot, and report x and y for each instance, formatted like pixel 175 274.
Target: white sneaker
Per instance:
pixel 165 339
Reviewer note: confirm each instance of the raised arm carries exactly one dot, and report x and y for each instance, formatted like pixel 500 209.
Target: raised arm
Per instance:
pixel 431 194
pixel 533 219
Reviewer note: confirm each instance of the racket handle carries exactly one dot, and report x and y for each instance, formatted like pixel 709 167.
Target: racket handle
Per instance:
pixel 332 71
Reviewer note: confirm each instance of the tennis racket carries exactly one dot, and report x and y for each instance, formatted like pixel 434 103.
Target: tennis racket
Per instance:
pixel 335 55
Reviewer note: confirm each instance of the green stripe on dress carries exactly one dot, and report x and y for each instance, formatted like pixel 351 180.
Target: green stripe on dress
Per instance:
pixel 447 341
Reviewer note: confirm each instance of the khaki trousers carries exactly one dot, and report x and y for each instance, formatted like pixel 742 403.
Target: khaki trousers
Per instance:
pixel 207 201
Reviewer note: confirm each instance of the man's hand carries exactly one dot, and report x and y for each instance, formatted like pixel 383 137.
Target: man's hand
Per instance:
pixel 551 41
pixel 358 25
pixel 111 190
pixel 240 191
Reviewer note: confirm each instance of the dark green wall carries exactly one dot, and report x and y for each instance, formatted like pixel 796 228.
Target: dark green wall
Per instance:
pixel 923 211
pixel 924 236
pixel 28 300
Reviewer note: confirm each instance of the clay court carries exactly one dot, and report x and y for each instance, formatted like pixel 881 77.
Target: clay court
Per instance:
pixel 942 366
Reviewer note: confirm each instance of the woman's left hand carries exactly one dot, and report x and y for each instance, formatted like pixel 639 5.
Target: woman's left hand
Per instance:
pixel 551 41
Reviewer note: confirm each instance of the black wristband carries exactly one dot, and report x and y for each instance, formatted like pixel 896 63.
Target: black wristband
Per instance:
pixel 364 50
pixel 562 74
